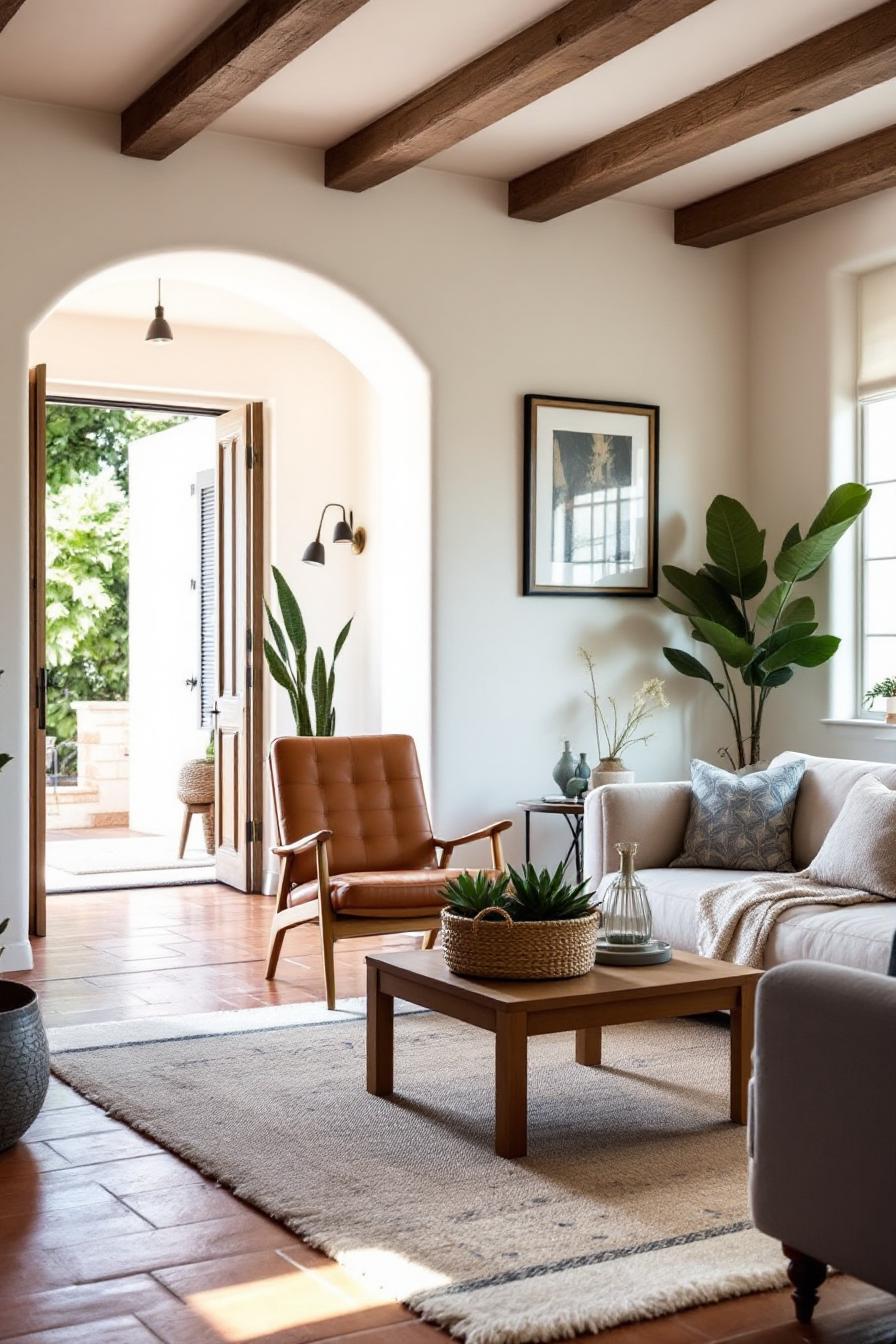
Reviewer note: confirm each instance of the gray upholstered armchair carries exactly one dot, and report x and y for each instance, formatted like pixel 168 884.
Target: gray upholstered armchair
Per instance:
pixel 823 1169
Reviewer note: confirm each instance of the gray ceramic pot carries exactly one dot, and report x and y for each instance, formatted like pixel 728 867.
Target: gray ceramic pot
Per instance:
pixel 24 1061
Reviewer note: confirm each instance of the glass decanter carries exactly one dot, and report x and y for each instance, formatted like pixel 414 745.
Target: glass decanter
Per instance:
pixel 627 920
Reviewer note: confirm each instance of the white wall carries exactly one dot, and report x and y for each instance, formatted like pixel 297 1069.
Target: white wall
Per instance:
pixel 163 619
pixel 600 303
pixel 802 364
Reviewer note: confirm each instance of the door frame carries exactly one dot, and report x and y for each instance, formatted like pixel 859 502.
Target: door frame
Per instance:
pixel 38 399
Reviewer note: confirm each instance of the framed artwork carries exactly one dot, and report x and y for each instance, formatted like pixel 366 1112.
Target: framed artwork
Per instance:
pixel 590 497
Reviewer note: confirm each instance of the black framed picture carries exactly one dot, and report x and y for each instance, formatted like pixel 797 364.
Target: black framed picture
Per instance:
pixel 590 497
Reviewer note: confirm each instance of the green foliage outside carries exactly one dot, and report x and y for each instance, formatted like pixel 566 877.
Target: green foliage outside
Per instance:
pixel 87 554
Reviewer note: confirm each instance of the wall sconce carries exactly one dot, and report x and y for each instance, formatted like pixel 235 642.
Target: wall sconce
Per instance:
pixel 345 530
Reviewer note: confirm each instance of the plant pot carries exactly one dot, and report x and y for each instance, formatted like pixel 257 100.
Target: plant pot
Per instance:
pixel 890 709
pixel 555 949
pixel 196 782
pixel 608 771
pixel 24 1061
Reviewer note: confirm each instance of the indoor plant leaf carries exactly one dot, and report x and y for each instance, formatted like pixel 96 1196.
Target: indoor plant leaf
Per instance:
pixel 770 607
pixel 745 586
pixel 319 692
pixel 277 632
pixel 708 597
pixel 732 538
pixel 843 505
pixel 292 615
pixel 341 638
pixel 731 648
pixel 689 666
pixel 800 561
pixel 810 652
pixel 800 609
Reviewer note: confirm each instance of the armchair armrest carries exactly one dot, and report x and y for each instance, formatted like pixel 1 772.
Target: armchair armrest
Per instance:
pixel 822 1176
pixel 656 815
pixel 491 832
pixel 301 846
pixel 483 834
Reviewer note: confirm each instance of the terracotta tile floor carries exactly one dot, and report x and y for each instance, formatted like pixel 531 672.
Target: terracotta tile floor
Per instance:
pixel 107 1239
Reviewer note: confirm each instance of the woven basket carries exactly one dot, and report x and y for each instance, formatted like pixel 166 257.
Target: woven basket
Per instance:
pixel 196 782
pixel 544 949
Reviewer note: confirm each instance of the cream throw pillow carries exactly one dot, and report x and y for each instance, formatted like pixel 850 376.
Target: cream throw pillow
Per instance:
pixel 860 848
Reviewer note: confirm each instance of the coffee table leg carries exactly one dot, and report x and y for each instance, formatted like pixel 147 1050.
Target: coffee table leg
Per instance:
pixel 588 1046
pixel 379 1036
pixel 510 1084
pixel 742 1050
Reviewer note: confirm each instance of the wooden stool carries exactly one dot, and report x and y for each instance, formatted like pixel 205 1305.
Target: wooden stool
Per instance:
pixel 207 812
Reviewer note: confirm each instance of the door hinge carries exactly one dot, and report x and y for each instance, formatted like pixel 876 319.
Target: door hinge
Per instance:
pixel 253 831
pixel 248 678
pixel 250 456
pixel 248 639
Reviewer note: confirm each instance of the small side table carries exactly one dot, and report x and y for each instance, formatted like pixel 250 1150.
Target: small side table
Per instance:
pixel 572 812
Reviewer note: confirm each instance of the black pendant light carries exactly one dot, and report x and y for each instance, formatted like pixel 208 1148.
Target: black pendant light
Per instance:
pixel 158 329
pixel 345 530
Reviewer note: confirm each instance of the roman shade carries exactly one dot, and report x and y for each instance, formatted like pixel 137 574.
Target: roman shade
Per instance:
pixel 877 332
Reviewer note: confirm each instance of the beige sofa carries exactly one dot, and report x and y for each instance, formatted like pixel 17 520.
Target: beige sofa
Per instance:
pixel 655 815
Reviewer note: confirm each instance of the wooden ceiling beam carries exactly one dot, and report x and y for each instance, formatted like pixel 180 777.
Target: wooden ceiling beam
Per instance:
pixel 833 177
pixel 251 45
pixel 559 48
pixel 7 9
pixel 839 62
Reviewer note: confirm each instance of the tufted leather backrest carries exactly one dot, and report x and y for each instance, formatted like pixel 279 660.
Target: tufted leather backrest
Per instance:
pixel 366 790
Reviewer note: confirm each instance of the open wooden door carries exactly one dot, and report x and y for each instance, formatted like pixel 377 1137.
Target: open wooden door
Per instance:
pixel 239 747
pixel 37 650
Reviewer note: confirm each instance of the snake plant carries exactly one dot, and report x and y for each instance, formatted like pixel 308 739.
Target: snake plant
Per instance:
pixel 288 664
pixel 470 893
pixel 542 894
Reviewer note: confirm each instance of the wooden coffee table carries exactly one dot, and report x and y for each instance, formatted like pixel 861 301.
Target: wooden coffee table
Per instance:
pixel 514 1010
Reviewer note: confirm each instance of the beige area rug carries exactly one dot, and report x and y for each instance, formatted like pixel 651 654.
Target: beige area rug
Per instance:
pixel 631 1204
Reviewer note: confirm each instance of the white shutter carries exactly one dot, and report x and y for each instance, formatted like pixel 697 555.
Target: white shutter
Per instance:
pixel 205 492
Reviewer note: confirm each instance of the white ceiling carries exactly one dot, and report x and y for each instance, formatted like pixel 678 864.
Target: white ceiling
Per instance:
pixel 101 53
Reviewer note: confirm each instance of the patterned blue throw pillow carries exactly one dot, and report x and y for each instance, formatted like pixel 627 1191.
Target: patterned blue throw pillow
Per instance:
pixel 741 821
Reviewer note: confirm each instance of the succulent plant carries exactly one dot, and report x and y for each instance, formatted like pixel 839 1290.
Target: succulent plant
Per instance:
pixel 542 894
pixel 469 893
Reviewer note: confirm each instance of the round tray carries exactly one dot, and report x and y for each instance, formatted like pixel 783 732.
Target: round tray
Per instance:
pixel 648 954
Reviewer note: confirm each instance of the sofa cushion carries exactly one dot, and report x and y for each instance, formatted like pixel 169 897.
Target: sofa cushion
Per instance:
pixel 860 848
pixel 741 821
pixel 858 935
pixel 822 793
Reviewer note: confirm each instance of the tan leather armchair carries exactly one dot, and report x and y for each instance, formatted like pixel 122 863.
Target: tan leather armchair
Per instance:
pixel 357 853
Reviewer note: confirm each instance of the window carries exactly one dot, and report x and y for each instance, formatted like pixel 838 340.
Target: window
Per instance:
pixel 877 642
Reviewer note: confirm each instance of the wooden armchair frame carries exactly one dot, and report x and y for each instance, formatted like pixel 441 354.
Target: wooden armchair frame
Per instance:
pixel 334 926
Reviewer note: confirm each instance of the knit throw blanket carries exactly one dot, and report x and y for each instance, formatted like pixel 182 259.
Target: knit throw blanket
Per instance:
pixel 735 921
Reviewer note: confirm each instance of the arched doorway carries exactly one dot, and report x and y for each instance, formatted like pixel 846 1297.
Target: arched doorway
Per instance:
pixel 396 590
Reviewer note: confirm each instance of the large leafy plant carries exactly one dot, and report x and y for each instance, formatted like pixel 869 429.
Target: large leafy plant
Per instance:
pixel 760 644
pixel 288 664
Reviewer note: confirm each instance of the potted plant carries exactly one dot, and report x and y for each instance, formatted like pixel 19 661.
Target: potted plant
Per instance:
pixel 288 664
pixel 24 1054
pixel 519 925
pixel 884 690
pixel 612 738
pixel 765 644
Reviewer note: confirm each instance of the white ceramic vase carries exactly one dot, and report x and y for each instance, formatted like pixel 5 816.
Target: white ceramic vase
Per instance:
pixel 890 708
pixel 610 772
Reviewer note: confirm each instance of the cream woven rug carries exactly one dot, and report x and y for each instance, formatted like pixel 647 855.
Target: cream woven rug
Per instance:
pixel 631 1204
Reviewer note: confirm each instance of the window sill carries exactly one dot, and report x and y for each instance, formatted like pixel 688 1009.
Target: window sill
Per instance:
pixel 879 724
